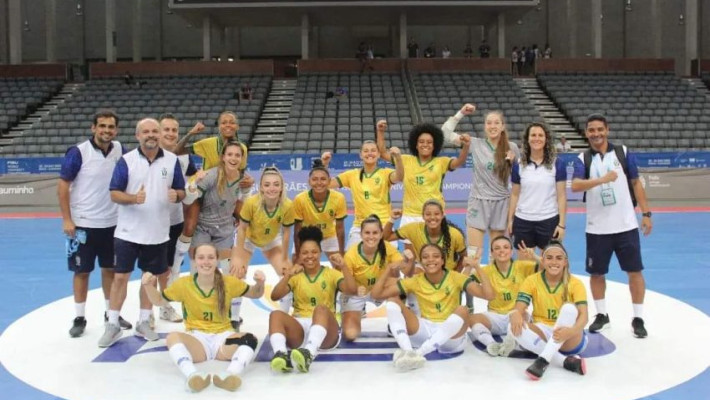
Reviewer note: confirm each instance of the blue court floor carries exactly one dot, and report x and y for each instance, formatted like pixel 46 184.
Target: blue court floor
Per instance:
pixel 676 256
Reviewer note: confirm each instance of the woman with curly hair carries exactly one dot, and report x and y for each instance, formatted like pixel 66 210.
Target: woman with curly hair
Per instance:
pixel 538 201
pixel 425 171
pixel 492 164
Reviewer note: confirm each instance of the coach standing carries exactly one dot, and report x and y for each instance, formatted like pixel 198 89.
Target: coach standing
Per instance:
pixel 610 178
pixel 144 183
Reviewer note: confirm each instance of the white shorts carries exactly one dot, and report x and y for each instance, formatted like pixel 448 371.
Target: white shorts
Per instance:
pixel 251 247
pixel 548 330
pixel 330 245
pixel 211 342
pixel 306 325
pixel 357 303
pixel 408 219
pixel 499 322
pixel 427 329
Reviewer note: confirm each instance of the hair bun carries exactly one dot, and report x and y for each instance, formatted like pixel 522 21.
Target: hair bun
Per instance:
pixel 318 163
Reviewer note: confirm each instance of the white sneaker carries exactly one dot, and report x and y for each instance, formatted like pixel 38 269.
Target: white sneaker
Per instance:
pixel 227 381
pixel 168 313
pixel 409 361
pixel 144 330
pixel 197 381
pixel 397 355
pixel 507 346
pixel 493 349
pixel 111 335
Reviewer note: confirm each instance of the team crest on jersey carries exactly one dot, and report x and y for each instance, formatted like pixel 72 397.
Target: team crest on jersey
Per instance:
pixel 164 172
pixel 447 290
pixel 323 285
pixel 431 168
pixel 331 213
pixel 377 180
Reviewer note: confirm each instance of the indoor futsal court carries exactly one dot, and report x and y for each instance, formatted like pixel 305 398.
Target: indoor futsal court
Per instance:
pixel 672 363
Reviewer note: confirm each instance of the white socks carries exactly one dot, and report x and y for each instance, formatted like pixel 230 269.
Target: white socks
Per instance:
pixel 113 316
pixel 236 308
pixel 240 359
pixel 443 333
pixel 181 248
pixel 398 326
pixel 182 358
pixel 278 342
pixel 80 309
pixel 550 350
pixel 638 310
pixel 601 306
pixel 224 266
pixel 285 302
pixel 145 315
pixel 482 334
pixel 316 335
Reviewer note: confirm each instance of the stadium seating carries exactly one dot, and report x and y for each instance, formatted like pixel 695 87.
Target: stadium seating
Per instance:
pixel 647 111
pixel 21 96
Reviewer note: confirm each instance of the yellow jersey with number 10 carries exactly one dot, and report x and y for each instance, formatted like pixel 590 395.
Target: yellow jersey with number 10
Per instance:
pixel 367 271
pixel 507 286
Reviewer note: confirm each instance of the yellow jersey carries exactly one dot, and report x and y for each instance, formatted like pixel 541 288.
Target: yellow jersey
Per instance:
pixel 308 214
pixel 310 292
pixel 417 234
pixel 507 286
pixel 422 182
pixel 200 309
pixel 264 226
pixel 367 271
pixel 436 301
pixel 371 195
pixel 210 149
pixel 547 301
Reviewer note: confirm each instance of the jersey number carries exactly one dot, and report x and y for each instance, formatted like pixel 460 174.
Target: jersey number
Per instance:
pixel 420 180
pixel 551 314
pixel 313 301
pixel 207 316
pixel 267 231
pixel 507 296
pixel 371 281
pixel 438 307
pixel 367 195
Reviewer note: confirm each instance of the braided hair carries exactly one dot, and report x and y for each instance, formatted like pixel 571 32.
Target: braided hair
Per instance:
pixel 446 224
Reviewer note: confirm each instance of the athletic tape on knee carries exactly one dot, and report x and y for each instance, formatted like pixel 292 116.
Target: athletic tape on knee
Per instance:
pixel 246 340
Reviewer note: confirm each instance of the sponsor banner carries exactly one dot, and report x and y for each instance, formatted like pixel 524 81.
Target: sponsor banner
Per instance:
pixel 28 191
pixel 303 162
pixel 676 184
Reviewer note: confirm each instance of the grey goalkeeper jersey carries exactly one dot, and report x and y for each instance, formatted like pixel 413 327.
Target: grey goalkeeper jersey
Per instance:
pixel 218 209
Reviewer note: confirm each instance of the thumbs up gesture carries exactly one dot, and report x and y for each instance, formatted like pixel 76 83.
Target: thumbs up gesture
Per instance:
pixel 172 195
pixel 140 195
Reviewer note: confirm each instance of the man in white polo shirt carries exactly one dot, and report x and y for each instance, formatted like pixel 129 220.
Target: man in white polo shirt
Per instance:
pixel 612 226
pixel 145 182
pixel 88 215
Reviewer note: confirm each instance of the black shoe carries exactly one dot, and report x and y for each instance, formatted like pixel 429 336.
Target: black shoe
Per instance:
pixel 537 369
pixel 78 327
pixel 639 329
pixel 601 322
pixel 575 364
pixel 125 325
pixel 237 324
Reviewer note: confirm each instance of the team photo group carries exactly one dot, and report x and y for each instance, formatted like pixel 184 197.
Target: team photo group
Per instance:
pixel 151 207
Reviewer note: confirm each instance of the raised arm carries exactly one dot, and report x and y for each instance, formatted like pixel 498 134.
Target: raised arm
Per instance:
pixel 449 126
pixel 463 153
pixel 380 140
pixel 398 174
pixel 180 147
pixel 388 230
pixel 484 289
pixel 326 157
pixel 385 286
pixel 148 281
pixel 257 290
pixel 348 285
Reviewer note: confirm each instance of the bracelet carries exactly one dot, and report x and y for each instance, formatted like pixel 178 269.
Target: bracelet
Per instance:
pixel 561 226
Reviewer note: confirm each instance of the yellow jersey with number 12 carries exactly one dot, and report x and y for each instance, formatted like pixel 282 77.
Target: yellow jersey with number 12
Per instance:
pixel 547 301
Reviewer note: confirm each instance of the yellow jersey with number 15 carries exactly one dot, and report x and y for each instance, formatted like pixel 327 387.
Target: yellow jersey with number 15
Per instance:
pixel 423 182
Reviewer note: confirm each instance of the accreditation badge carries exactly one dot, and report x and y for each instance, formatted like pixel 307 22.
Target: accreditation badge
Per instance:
pixel 608 198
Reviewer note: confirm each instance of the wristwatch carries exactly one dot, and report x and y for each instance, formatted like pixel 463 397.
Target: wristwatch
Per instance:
pixel 647 214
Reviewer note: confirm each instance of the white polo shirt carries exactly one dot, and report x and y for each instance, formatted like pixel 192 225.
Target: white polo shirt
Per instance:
pixel 538 189
pixel 147 223
pixel 618 214
pixel 89 170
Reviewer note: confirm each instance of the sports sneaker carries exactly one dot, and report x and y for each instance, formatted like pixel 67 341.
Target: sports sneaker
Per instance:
pixel 125 325
pixel 168 313
pixel 197 381
pixel 78 326
pixel 111 335
pixel 302 359
pixel 537 369
pixel 639 329
pixel 493 349
pixel 507 346
pixel 575 364
pixel 409 361
pixel 236 325
pixel 399 353
pixel 281 362
pixel 143 329
pixel 601 322
pixel 227 381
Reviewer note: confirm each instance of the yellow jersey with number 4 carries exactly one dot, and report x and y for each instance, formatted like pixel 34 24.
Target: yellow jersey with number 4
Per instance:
pixel 436 301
